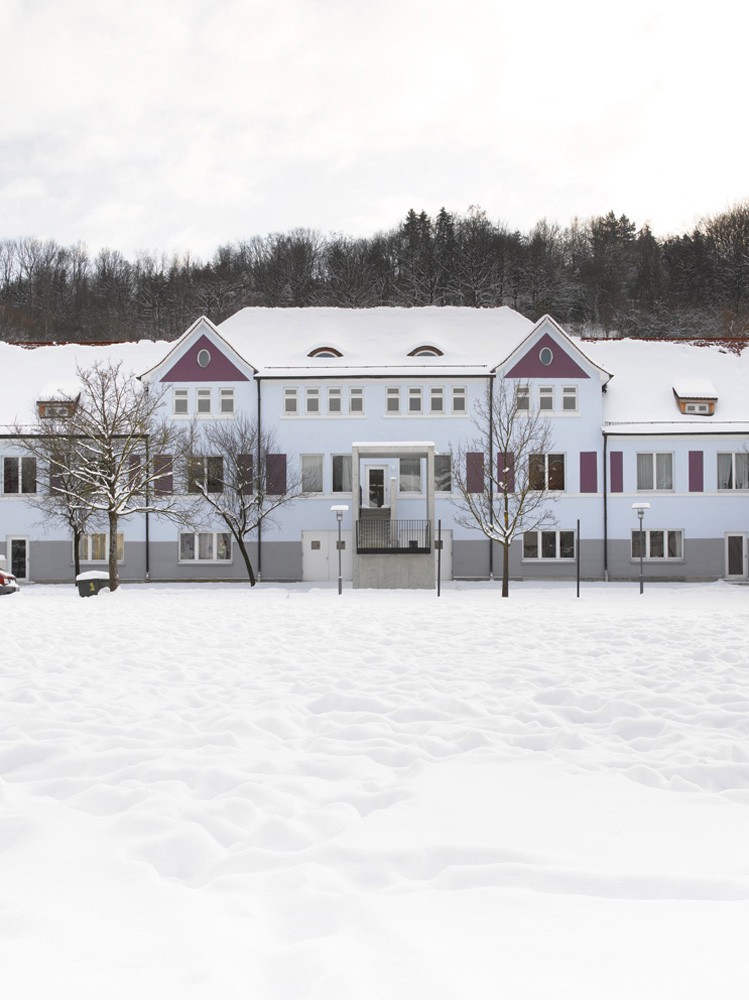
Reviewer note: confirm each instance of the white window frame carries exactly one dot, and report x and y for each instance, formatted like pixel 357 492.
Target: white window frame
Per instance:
pixel 335 396
pixel 312 402
pixel 181 396
pixel 420 488
pixel 343 459
pixel 26 466
pixel 87 545
pixel 648 533
pixel 542 536
pixel 415 397
pixel 312 464
pixel 569 395
pixel 356 401
pixel 523 399
pixel 393 396
pixel 449 473
pixel 436 392
pixel 654 470
pixel 203 396
pixel 206 478
pixel 546 395
pixel 460 399
pixel 733 455
pixel 214 559
pixel 226 402
pixel 547 456
pixel 290 403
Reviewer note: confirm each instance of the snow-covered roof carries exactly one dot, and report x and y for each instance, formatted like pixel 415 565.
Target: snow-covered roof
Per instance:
pixel 695 388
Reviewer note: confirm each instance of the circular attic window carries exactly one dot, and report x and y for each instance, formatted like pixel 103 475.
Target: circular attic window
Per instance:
pixel 204 358
pixel 546 356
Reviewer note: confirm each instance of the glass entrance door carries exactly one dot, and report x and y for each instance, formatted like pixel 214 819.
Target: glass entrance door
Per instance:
pixel 736 556
pixel 376 486
pixel 18 563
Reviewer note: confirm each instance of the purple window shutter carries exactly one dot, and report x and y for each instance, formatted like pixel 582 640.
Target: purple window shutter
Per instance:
pixel 617 471
pixel 244 475
pixel 56 479
pixel 133 470
pixel 588 472
pixel 696 472
pixel 163 483
pixel 506 470
pixel 474 472
pixel 275 474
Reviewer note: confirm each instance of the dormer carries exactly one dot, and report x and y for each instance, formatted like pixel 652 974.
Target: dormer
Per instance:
pixel 57 402
pixel 696 397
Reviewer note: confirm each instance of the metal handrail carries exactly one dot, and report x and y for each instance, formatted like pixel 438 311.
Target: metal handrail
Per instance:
pixel 386 537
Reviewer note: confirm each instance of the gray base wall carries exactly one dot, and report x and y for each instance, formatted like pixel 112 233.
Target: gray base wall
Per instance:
pixel 704 559
pixel 395 572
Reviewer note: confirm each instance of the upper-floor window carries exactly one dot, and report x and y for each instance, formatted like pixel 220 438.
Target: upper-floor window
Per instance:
pixel 226 401
pixel 546 472
pixel 655 471
pixel 334 400
pixel 410 474
pixel 19 475
pixel 546 397
pixel 311 473
pixel 443 480
pixel 204 402
pixel 523 398
pixel 414 400
pixel 569 398
pixel 181 402
pixel 393 402
pixel 325 352
pixel 437 399
pixel 425 351
pixel 342 468
pixel 356 401
pixel 289 401
pixel 733 471
pixel 459 400
pixel 312 401
pixel 206 471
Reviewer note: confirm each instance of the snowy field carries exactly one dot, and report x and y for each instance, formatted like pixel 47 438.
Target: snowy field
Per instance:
pixel 212 793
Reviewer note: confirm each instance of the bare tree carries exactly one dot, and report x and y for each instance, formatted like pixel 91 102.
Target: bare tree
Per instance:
pixel 112 457
pixel 507 477
pixel 240 477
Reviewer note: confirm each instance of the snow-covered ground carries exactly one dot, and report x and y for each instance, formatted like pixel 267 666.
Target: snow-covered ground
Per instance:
pixel 212 793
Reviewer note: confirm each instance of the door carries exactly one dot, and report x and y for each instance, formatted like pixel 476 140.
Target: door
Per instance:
pixel 736 568
pixel 18 558
pixel 320 556
pixel 376 485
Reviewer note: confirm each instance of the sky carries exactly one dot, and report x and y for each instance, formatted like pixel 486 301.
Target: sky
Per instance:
pixel 179 125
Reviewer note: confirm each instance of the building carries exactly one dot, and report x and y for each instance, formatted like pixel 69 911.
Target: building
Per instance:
pixel 366 406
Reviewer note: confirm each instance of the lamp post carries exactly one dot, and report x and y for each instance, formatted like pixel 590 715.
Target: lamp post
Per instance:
pixel 339 510
pixel 640 508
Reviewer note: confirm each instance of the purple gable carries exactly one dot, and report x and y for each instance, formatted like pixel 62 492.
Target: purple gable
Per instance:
pixel 561 365
pixel 218 369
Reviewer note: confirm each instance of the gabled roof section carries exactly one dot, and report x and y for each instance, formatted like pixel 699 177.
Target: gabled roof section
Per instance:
pixel 201 355
pixel 548 353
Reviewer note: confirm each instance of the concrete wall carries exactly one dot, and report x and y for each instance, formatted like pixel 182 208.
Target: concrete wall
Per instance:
pixel 395 571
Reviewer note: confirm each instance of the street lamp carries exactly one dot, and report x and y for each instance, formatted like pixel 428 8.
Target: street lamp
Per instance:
pixel 339 510
pixel 641 508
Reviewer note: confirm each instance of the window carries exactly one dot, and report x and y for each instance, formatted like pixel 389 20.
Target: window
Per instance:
pixel 546 472
pixel 658 544
pixel 569 398
pixel 19 475
pixel 459 400
pixel 549 545
pixel 733 471
pixel 312 473
pixel 180 401
pixel 341 473
pixel 443 480
pixel 546 397
pixel 226 401
pixel 95 547
pixel 655 471
pixel 546 356
pixel 356 401
pixel 437 400
pixel 334 401
pixel 204 358
pixel 425 351
pixel 393 404
pixel 325 352
pixel 204 401
pixel 206 471
pixel 312 401
pixel 523 398
pixel 204 546
pixel 410 474
pixel 289 401
pixel 414 400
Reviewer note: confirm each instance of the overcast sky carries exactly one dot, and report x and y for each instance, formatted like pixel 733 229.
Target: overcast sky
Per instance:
pixel 178 125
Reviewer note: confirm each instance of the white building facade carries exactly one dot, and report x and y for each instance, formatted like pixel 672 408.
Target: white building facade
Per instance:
pixel 365 407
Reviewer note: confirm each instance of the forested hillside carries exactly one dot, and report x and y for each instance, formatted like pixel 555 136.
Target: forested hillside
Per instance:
pixel 602 276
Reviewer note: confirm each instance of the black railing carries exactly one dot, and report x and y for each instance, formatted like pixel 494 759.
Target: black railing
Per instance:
pixel 378 537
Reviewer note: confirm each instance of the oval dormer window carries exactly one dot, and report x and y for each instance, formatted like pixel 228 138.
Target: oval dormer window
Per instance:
pixel 546 356
pixel 425 351
pixel 204 358
pixel 325 352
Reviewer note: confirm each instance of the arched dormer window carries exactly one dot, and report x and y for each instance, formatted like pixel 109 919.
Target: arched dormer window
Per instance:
pixel 425 351
pixel 325 352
